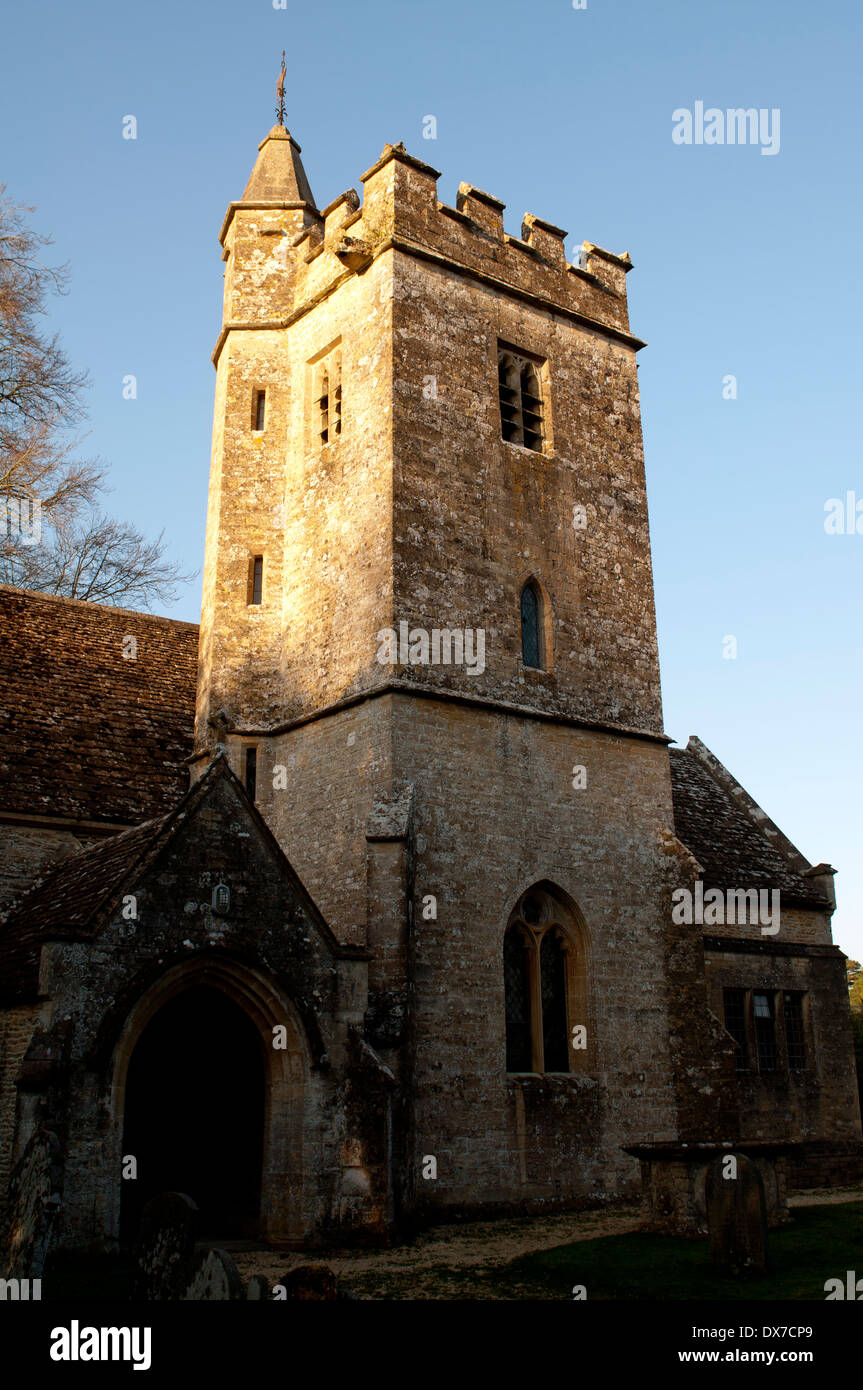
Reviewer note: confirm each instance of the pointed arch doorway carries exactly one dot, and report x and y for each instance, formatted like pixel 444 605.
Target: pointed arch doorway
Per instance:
pixel 195 1102
pixel 185 1052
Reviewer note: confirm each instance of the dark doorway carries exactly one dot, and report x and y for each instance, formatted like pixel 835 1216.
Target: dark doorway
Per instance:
pixel 195 1113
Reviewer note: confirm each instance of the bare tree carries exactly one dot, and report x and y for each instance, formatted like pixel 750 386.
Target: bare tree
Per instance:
pixel 102 560
pixel 52 537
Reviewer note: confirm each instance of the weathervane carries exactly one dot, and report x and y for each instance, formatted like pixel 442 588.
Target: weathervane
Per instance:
pixel 280 92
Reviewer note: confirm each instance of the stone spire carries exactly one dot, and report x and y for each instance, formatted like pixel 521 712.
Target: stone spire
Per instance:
pixel 278 174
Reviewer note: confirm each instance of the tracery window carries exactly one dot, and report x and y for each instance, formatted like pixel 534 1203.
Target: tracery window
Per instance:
pixel 545 981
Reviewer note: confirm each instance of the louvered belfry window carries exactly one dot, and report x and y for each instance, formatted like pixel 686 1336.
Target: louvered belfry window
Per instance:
pixel 520 400
pixel 329 398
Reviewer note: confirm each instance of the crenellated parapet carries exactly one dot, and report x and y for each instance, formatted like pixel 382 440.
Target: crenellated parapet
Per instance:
pixel 284 255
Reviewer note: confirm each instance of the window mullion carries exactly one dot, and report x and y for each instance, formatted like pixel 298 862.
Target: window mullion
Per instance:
pixel 536 1043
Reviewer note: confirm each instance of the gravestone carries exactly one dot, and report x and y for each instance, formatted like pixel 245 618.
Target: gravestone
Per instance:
pixel 736 1214
pixel 34 1205
pixel 257 1288
pixel 214 1278
pixel 164 1254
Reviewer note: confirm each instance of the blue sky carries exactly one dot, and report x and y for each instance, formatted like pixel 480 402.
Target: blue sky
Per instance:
pixel 745 264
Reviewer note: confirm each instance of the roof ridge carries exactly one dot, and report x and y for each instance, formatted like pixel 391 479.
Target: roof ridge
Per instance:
pixel 741 798
pixel 101 607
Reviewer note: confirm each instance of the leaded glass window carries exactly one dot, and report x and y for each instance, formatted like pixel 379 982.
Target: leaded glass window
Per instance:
pixel 531 635
pixel 764 1018
pixel 735 1022
pixel 555 1042
pixel 517 986
pixel 545 986
pixel 792 1008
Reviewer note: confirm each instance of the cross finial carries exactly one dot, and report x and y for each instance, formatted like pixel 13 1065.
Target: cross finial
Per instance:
pixel 280 92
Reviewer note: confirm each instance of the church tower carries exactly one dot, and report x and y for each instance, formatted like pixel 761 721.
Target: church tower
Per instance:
pixel 471 940
pixel 428 645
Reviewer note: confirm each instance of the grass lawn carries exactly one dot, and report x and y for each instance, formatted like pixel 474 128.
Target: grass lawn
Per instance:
pixel 820 1243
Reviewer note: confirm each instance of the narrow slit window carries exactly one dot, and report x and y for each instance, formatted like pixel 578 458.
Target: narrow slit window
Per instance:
pixel 531 627
pixel 256 579
pixel 260 411
pixel 251 771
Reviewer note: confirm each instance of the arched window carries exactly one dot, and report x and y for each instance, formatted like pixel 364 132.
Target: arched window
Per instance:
pixel 533 626
pixel 545 985
pixel 537 627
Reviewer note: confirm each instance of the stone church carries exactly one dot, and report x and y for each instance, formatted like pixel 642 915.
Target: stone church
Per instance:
pixel 382 898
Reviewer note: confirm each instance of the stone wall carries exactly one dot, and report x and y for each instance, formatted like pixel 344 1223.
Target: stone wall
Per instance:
pixel 16 1030
pixel 819 1101
pixel 326 1150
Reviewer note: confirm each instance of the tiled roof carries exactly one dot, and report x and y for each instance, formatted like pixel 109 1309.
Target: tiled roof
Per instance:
pixel 84 731
pixel 66 900
pixel 731 848
pixel 75 896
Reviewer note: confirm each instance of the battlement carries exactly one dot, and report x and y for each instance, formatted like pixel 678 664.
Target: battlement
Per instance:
pixel 401 211
pixel 402 205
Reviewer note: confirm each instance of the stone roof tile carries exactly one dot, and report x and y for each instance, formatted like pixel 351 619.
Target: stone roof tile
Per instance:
pixel 62 903
pixel 732 850
pixel 85 732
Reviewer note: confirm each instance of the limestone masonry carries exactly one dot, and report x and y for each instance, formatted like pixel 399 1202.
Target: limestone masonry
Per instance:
pixel 396 931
